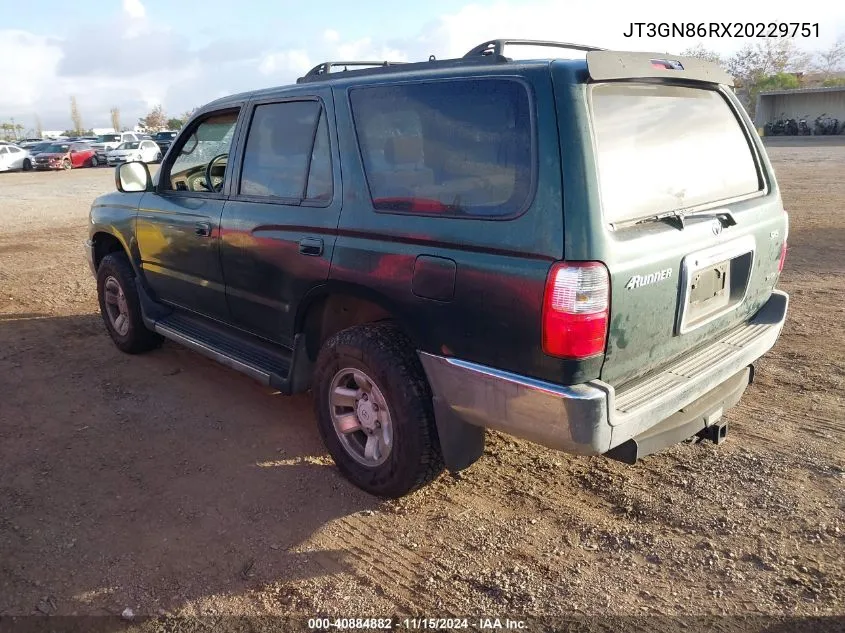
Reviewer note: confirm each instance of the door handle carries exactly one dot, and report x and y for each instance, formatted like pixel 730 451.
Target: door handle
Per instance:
pixel 203 229
pixel 312 246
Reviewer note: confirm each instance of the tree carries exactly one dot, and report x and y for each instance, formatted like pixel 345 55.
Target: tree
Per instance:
pixel 779 81
pixel 155 121
pixel 702 53
pixel 756 63
pixel 115 119
pixel 174 123
pixel 75 116
pixel 832 60
pixel 39 131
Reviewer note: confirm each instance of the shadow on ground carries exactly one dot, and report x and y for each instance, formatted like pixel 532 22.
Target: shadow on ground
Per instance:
pixel 152 480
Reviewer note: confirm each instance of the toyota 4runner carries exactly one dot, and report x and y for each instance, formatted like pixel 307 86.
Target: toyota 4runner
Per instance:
pixel 582 253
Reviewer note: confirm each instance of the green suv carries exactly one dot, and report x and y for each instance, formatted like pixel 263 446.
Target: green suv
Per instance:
pixel 582 253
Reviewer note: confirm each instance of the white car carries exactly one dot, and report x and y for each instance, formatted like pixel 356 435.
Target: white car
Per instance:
pixel 13 157
pixel 108 142
pixel 145 151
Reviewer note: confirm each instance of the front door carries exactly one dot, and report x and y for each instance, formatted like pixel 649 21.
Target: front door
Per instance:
pixel 280 224
pixel 178 225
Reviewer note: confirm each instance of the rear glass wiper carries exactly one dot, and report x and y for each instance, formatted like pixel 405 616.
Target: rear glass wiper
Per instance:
pixel 679 217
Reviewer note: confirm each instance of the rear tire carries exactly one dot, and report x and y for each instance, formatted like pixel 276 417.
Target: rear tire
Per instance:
pixel 386 358
pixel 67 165
pixel 120 306
pixel 27 164
pixel 94 161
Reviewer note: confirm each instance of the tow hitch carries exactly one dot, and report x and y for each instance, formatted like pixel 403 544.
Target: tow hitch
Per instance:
pixel 716 433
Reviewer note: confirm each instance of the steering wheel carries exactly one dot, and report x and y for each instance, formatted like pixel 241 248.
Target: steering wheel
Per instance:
pixel 208 183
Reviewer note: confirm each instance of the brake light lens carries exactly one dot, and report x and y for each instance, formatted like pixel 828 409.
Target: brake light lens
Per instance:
pixel 782 259
pixel 575 310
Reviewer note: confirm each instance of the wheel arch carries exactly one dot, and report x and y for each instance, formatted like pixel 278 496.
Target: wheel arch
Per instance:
pixel 335 306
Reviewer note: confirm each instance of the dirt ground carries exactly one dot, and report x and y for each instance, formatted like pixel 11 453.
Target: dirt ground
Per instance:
pixel 165 483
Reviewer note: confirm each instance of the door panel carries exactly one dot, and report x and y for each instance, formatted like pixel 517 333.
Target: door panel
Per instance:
pixel 275 249
pixel 178 239
pixel 178 226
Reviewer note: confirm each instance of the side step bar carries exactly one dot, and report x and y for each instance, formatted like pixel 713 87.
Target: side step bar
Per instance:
pixel 703 417
pixel 269 364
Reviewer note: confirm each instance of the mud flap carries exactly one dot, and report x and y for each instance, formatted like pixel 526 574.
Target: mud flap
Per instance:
pixel 461 443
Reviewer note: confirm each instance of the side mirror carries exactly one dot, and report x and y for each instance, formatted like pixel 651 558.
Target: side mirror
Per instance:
pixel 133 177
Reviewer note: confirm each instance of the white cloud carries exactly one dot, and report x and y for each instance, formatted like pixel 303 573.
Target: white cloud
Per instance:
pixel 284 63
pixel 134 9
pixel 156 64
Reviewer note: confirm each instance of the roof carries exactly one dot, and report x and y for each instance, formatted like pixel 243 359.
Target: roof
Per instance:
pixel 802 91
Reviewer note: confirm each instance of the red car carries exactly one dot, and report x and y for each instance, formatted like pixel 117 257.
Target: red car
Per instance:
pixel 66 156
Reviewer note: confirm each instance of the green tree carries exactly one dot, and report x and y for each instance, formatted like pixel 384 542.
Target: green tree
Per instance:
pixel 779 81
pixel 174 123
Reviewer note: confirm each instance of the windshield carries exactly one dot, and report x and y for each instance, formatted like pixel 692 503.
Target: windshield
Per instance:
pixel 128 146
pixel 57 148
pixel 164 136
pixel 666 148
pixel 108 138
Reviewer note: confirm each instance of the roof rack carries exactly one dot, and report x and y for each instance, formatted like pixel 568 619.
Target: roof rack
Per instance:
pixel 495 48
pixel 325 68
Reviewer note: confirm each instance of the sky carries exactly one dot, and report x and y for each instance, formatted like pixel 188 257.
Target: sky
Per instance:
pixel 134 54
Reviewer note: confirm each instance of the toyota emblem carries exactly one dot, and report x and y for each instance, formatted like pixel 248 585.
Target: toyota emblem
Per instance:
pixel 716 226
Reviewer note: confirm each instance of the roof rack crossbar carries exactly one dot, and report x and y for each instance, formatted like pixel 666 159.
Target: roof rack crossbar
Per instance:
pixel 325 68
pixel 497 47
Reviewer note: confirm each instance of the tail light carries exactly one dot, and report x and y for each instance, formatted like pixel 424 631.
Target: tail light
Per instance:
pixel 575 309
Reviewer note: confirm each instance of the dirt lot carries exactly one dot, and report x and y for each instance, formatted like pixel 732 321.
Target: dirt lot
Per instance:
pixel 166 483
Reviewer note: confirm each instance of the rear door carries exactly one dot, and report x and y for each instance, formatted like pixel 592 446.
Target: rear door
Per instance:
pixel 280 224
pixel 178 225
pixel 670 148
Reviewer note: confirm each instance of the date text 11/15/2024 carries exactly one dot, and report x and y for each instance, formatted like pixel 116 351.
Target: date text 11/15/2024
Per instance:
pixel 418 624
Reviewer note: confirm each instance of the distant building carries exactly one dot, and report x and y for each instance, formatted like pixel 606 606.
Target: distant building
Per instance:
pixel 802 103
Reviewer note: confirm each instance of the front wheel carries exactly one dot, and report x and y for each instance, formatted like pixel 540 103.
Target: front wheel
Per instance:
pixel 121 307
pixel 94 161
pixel 374 410
pixel 66 164
pixel 27 164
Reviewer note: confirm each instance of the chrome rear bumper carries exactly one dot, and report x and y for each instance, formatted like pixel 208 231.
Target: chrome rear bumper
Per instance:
pixel 591 418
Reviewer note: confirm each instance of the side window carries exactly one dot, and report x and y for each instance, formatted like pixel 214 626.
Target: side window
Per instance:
pixel 3 150
pixel 209 141
pixel 14 150
pixel 460 148
pixel 287 153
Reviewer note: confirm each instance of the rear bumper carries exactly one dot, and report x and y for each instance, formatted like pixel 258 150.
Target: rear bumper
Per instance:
pixel 592 418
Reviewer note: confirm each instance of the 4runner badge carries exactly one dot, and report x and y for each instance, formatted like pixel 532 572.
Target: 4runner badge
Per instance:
pixel 637 281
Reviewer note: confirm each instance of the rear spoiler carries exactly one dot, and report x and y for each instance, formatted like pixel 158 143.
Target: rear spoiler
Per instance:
pixel 604 65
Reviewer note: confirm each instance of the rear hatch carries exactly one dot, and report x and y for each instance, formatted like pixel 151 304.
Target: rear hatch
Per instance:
pixel 684 212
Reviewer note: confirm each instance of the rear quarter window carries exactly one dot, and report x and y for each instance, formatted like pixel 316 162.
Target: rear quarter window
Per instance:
pixel 457 148
pixel 663 148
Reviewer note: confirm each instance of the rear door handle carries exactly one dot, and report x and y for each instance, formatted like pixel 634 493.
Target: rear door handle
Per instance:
pixel 203 229
pixel 311 246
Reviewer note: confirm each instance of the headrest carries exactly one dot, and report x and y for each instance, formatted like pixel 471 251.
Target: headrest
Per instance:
pixel 402 150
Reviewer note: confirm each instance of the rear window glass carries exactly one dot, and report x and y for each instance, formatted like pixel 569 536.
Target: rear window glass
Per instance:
pixel 664 148
pixel 454 148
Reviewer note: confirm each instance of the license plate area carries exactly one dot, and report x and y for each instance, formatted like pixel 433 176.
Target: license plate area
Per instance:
pixel 714 282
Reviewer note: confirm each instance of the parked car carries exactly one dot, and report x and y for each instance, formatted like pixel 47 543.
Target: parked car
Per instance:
pixel 164 139
pixel 144 151
pixel 13 158
pixel 107 142
pixel 582 253
pixel 66 156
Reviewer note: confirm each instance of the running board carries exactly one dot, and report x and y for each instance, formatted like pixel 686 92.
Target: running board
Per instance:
pixel 271 365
